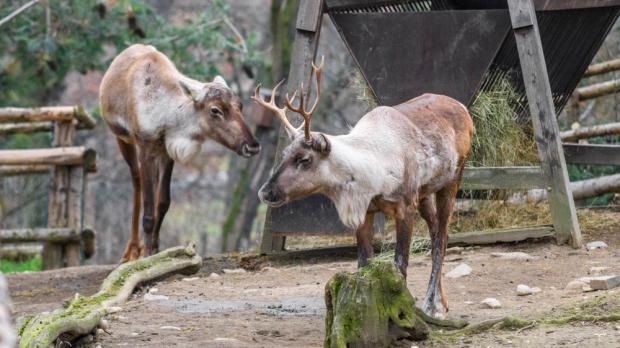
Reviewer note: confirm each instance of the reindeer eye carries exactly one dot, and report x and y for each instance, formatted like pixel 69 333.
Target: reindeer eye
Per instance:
pixel 303 160
pixel 216 112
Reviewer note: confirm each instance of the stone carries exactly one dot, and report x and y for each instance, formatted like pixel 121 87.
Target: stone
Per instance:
pixel 170 327
pixel 605 282
pixel 190 279
pixel 536 290
pixel 578 285
pixel 459 271
pixel 524 290
pixel 515 255
pixel 268 269
pixel 232 271
pixel 491 303
pixel 114 309
pixel 214 275
pixel 596 245
pixel 150 297
pixel 457 250
pixel 598 269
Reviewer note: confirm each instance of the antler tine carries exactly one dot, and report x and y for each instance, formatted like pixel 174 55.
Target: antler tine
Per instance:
pixel 300 109
pixel 271 105
pixel 318 73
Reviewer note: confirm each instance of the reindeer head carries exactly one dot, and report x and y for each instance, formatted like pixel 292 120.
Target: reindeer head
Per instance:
pixel 218 111
pixel 304 166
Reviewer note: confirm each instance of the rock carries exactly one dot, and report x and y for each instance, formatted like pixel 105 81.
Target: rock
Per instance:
pixel 605 282
pixel 524 290
pixel 536 290
pixel 114 309
pixel 491 303
pixel 578 285
pixel 214 275
pixel 153 290
pixel 459 271
pixel 170 327
pixel 150 297
pixel 225 339
pixel 598 269
pixel 236 270
pixel 190 279
pixel 454 250
pixel 469 302
pixel 516 255
pixel 596 245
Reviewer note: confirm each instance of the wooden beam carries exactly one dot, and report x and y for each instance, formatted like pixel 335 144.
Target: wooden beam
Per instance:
pixel 488 178
pixel 597 90
pixel 48 113
pixel 602 68
pixel 590 132
pixel 500 235
pixel 23 170
pixel 23 235
pixel 546 131
pixel 59 156
pixel 309 15
pixel 32 127
pixel 595 154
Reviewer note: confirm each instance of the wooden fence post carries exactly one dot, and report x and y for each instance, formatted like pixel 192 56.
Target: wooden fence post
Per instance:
pixel 546 131
pixel 63 208
pixel 308 29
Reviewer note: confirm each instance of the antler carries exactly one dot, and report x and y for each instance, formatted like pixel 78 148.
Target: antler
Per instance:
pixel 307 114
pixel 280 112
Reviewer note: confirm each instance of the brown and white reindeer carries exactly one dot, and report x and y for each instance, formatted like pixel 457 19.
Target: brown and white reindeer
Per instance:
pixel 160 116
pixel 395 160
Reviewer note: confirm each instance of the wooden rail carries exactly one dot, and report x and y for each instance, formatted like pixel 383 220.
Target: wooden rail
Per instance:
pixel 602 68
pixel 58 156
pixel 487 178
pixel 42 118
pixel 594 154
pixel 51 235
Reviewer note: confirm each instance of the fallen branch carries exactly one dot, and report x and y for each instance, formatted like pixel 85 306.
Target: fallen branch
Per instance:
pixel 82 315
pixel 589 132
pixel 18 11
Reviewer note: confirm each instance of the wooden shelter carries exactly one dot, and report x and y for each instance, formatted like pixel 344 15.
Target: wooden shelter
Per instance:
pixel 459 48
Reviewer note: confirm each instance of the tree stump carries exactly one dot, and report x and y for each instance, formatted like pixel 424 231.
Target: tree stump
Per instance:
pixel 373 308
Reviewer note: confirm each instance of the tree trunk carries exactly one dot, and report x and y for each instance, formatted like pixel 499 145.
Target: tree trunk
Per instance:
pixel 589 132
pixel 373 308
pixel 82 314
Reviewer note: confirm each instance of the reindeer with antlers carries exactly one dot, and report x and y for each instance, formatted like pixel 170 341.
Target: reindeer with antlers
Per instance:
pixel 395 160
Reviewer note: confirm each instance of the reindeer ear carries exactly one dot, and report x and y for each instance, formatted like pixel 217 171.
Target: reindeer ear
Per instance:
pixel 189 90
pixel 220 80
pixel 321 144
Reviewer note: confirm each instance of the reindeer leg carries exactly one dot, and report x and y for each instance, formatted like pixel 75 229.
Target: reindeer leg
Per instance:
pixel 149 173
pixel 434 304
pixel 166 165
pixel 404 230
pixel 133 248
pixel 364 236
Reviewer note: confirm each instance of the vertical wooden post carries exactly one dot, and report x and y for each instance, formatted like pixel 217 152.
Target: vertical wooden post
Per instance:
pixel 63 205
pixel 308 25
pixel 546 131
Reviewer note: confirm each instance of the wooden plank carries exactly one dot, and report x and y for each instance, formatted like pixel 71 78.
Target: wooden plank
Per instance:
pixel 308 15
pixel 500 235
pixel 546 129
pixel 23 170
pixel 59 156
pixel 24 235
pixel 303 54
pixel 487 178
pixel 597 154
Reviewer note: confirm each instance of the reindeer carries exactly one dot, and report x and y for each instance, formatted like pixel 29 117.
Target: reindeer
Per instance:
pixel 395 160
pixel 160 116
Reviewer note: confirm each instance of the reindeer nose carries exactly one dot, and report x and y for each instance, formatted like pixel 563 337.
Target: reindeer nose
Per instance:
pixel 249 150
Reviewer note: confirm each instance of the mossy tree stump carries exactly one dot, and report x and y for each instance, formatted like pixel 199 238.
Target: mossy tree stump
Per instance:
pixel 373 308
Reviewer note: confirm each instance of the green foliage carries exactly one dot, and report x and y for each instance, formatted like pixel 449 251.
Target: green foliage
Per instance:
pixel 35 58
pixel 9 266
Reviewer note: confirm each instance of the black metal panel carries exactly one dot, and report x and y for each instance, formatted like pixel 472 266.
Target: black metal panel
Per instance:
pixel 403 55
pixel 312 215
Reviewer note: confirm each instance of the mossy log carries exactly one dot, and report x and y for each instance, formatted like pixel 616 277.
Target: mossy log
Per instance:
pixel 81 315
pixel 373 308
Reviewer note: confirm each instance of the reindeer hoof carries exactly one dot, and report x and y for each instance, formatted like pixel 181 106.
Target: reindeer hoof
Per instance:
pixel 132 253
pixel 434 309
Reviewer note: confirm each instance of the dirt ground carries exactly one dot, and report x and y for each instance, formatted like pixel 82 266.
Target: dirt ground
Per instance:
pixel 280 304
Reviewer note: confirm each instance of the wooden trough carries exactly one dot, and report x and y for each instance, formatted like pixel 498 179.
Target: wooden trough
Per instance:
pixel 65 240
pixel 459 48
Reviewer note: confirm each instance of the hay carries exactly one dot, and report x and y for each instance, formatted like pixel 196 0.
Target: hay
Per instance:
pixel 499 140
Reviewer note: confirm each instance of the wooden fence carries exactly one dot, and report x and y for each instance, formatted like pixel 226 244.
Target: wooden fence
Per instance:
pixel 65 241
